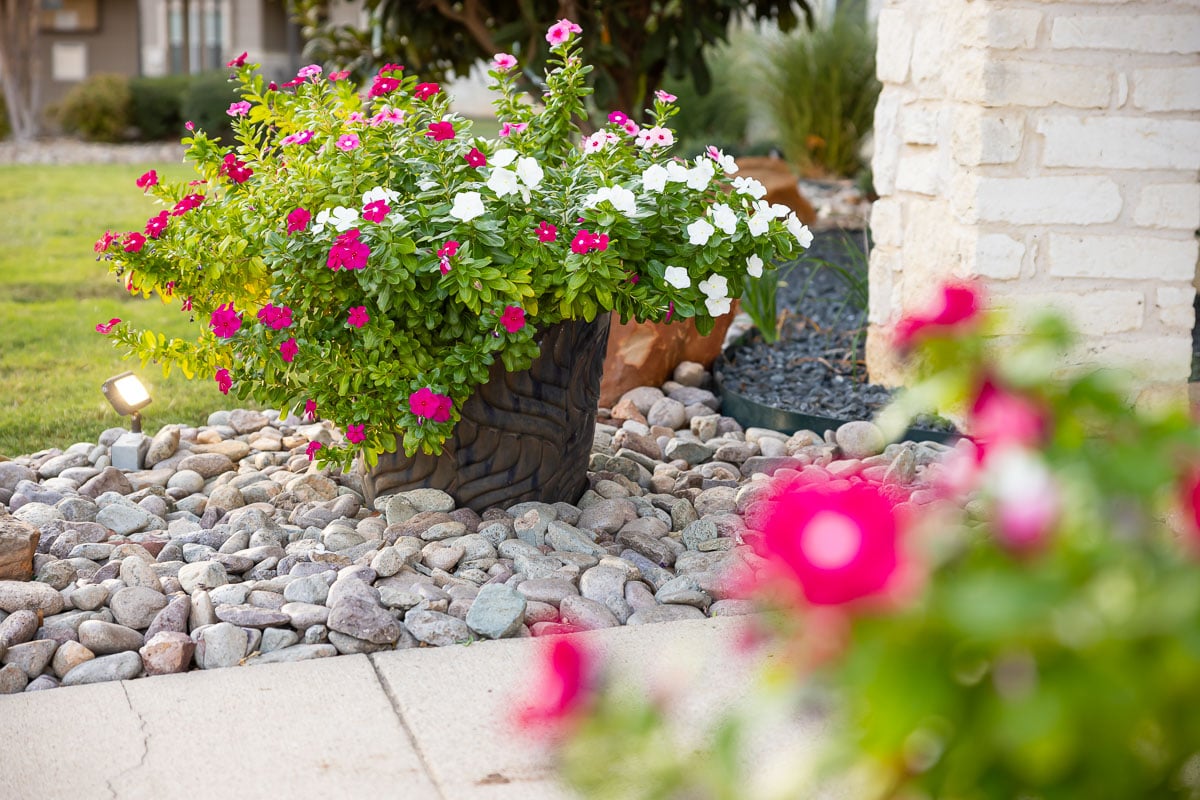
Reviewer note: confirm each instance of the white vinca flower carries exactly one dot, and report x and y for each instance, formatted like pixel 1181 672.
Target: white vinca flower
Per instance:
pixel 530 172
pixel 677 277
pixel 699 176
pixel 717 305
pixel 799 230
pixel 595 143
pixel 751 187
pixel 754 266
pixel 503 182
pixel 380 193
pixel 759 224
pixel 779 210
pixel 343 219
pixel 699 232
pixel 654 179
pixel 621 198
pixel 503 157
pixel 322 219
pixel 724 218
pixel 467 206
pixel 714 286
pixel 726 163
pixel 676 172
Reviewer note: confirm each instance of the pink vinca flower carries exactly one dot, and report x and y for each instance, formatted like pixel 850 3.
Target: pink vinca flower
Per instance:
pixel 503 62
pixel 561 31
pixel 655 137
pixel 999 419
pixel 383 85
pixel 476 158
pixel 106 241
pixel 301 137
pixel 358 317
pixel 239 109
pixel 376 211
pixel 147 180
pixel 311 71
pixel 387 114
pixel 424 91
pixel 563 690
pixel 298 220
pixel 665 97
pixel 509 128
pixel 347 142
pixel 1027 500
pixel 189 125
pixel 631 127
pixel 240 61
pixel 275 317
pixel 546 232
pixel 288 350
pixel 225 321
pixel 235 168
pixel 954 311
pixel 224 382
pixel 157 224
pixel 310 410
pixel 348 252
pixel 445 253
pixel 340 75
pixel 440 131
pixel 354 434
pixel 428 404
pixel 617 117
pixel 106 327
pixel 186 204
pixel 513 318
pixel 133 242
pixel 312 449
pixel 837 545
pixel 355 117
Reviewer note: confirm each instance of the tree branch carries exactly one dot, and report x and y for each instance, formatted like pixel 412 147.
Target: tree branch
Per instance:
pixel 470 20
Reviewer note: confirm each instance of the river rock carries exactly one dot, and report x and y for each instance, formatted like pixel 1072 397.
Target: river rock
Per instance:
pixel 497 612
pixel 18 542
pixel 18 595
pixel 167 652
pixel 136 606
pixel 117 667
pixel 106 638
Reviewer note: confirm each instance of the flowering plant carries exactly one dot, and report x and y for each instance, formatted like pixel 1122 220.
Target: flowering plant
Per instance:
pixel 363 256
pixel 1020 620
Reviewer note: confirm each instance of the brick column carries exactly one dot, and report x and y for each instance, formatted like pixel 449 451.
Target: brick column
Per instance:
pixel 1050 150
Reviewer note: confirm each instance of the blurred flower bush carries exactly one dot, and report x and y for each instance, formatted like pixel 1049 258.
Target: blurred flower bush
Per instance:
pixel 1028 629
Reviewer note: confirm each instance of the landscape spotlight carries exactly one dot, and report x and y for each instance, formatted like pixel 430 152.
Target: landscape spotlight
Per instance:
pixel 127 396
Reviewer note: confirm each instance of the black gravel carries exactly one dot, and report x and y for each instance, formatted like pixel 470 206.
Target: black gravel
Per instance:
pixel 817 366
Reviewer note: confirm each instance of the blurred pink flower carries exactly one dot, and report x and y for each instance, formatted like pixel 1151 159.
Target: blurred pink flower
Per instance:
pixel 225 321
pixel 312 449
pixel 224 382
pixel 563 688
pixel 441 131
pixel 298 220
pixel 837 544
pixel 106 327
pixel 147 180
pixel 288 350
pixel 358 317
pixel 561 31
pixel 956 308
pixel 503 62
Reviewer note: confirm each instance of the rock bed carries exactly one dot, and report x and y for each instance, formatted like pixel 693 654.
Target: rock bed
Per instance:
pixel 232 548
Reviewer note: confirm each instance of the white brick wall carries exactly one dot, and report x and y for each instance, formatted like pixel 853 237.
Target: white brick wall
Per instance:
pixel 1052 151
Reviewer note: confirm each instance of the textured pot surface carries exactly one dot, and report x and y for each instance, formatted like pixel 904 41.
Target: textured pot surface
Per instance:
pixel 523 435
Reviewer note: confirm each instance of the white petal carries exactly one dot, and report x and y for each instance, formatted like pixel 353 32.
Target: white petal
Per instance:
pixel 504 157
pixel 677 277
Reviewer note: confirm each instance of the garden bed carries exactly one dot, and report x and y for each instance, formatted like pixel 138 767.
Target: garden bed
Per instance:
pixel 816 368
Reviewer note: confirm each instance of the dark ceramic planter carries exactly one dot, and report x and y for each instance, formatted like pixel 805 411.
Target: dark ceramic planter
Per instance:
pixel 523 435
pixel 753 414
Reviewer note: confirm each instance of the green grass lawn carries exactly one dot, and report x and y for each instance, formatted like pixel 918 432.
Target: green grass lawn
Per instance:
pixel 52 294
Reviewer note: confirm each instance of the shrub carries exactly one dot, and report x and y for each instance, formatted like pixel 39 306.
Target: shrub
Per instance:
pixel 98 109
pixel 819 88
pixel 156 105
pixel 208 96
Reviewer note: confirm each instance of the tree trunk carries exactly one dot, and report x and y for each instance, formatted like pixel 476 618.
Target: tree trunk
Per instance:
pixel 20 65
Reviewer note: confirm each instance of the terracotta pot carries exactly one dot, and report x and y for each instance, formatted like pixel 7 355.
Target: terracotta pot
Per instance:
pixel 523 435
pixel 646 353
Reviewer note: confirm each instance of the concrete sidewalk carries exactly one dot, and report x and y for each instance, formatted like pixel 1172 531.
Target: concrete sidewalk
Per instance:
pixel 411 724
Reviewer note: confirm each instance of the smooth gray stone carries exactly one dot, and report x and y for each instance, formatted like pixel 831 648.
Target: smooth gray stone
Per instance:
pixel 435 628
pixel 107 638
pixel 362 619
pixel 136 606
pixel 297 652
pixel 221 645
pixel 277 639
pixel 497 612
pixel 586 614
pixel 116 667
pixel 32 657
pixel 252 616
